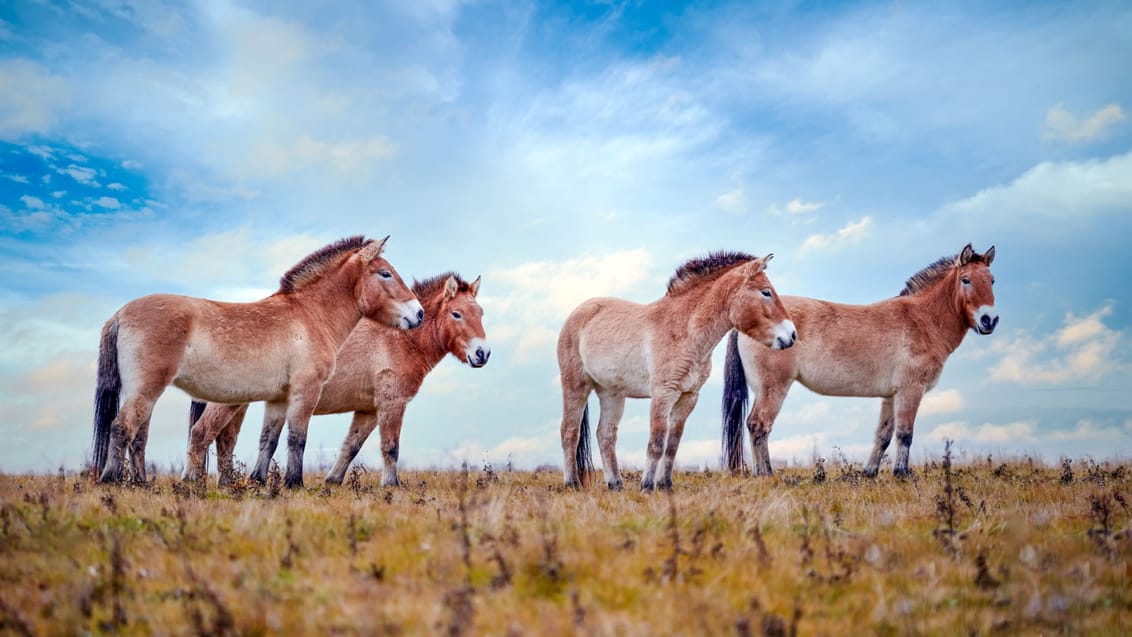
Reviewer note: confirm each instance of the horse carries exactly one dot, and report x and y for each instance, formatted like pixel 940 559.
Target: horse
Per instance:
pixel 279 349
pixel 377 373
pixel 894 349
pixel 661 351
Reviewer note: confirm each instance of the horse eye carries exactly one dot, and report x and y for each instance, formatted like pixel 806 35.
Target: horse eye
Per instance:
pixel 966 281
pixel 386 274
pixel 456 315
pixel 767 293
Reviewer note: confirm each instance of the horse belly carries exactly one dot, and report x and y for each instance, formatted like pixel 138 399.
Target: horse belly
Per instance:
pixel 209 374
pixel 826 373
pixel 622 372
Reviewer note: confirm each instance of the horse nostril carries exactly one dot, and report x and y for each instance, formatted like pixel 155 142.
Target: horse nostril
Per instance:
pixel 793 335
pixel 420 314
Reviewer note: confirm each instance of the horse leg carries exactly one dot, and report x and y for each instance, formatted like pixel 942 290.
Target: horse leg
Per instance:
pixel 761 421
pixel 574 397
pixel 137 451
pixel 360 428
pixel 300 408
pixel 612 407
pixel 659 413
pixel 390 421
pixel 883 436
pixel 135 410
pixel 226 447
pixel 214 418
pixel 680 411
pixel 905 406
pixel 274 415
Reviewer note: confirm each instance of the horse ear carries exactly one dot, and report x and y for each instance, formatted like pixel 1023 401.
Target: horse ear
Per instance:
pixel 450 287
pixel 474 286
pixel 373 249
pixel 965 255
pixel 989 256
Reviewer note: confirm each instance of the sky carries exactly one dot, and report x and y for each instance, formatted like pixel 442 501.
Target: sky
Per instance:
pixel 565 151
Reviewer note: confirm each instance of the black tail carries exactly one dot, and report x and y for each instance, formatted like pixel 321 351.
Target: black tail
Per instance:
pixel 735 397
pixel 196 408
pixel 107 393
pixel 583 456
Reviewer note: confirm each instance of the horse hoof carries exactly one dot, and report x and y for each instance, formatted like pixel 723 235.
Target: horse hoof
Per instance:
pixel 391 483
pixel 293 483
pixel 664 486
pixel 572 484
pixel 869 472
pixel 615 486
pixel 333 481
pixel 903 473
pixel 647 487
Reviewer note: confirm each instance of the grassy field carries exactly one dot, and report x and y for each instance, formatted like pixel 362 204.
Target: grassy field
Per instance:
pixel 1012 548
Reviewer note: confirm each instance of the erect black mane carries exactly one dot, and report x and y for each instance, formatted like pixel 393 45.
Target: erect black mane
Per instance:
pixel 705 267
pixel 928 276
pixel 314 265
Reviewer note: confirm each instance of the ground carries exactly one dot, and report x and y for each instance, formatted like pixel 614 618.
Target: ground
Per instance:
pixel 989 547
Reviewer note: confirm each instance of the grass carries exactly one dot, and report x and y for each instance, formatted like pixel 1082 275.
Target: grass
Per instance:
pixel 1012 548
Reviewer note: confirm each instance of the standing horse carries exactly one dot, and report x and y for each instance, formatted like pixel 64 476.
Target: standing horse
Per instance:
pixel 662 351
pixel 279 349
pixel 893 349
pixel 378 372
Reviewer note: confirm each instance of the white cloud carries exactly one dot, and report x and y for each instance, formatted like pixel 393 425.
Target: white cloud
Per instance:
pixel 351 157
pixel 1022 431
pixel 19 179
pixel 941 402
pixel 851 233
pixel 1063 190
pixel 81 174
pixel 1087 430
pixel 131 164
pixel 535 298
pixel 733 201
pixel 796 207
pixel 110 203
pixel 1062 125
pixel 33 203
pixel 116 186
pixel 30 97
pixel 1083 349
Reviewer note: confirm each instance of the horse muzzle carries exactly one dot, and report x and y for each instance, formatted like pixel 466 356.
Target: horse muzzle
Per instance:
pixel 785 335
pixel 987 321
pixel 412 315
pixel 477 357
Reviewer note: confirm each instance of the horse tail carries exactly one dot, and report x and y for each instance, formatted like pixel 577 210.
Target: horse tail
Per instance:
pixel 735 398
pixel 196 409
pixel 107 394
pixel 583 456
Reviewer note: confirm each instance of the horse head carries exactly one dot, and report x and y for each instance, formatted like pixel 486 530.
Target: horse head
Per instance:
pixel 382 295
pixel 974 289
pixel 460 320
pixel 756 309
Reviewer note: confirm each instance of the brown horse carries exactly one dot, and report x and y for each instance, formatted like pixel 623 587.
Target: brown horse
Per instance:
pixel 280 349
pixel 662 351
pixel 378 372
pixel 893 349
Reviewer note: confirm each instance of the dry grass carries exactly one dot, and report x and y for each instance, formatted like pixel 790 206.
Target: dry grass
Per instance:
pixel 992 548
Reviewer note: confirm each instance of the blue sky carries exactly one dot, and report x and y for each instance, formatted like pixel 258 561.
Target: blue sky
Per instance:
pixel 565 151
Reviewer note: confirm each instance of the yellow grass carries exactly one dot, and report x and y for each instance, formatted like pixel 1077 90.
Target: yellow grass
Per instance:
pixel 1013 548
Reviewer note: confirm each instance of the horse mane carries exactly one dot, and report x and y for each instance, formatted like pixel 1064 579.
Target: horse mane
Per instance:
pixel 928 276
pixel 314 265
pixel 428 288
pixel 704 268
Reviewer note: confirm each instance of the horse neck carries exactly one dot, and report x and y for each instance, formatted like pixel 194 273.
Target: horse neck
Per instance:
pixel 332 302
pixel 706 310
pixel 428 339
pixel 943 313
